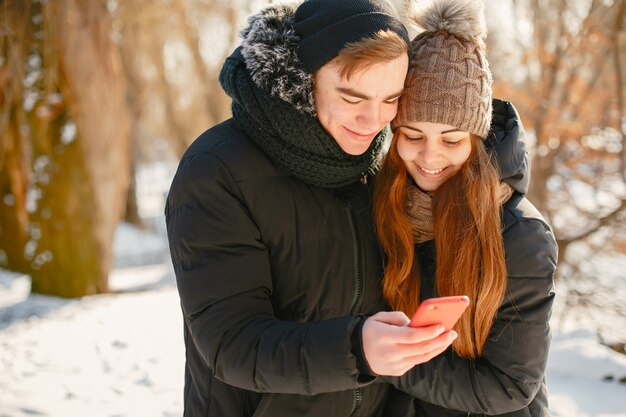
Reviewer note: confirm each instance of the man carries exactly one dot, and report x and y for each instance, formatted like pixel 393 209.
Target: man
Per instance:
pixel 269 223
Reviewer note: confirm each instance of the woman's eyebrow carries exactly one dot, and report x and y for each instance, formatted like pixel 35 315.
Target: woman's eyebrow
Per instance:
pixel 441 133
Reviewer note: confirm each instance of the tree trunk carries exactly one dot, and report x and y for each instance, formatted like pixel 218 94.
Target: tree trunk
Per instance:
pixel 131 214
pixel 14 148
pixel 13 215
pixel 84 200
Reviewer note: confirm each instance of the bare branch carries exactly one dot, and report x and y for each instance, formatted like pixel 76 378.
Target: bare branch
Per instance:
pixel 619 78
pixel 192 42
pixel 601 222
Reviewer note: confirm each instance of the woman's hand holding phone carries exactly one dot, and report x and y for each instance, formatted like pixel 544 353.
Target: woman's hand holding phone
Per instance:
pixel 391 347
pixel 393 344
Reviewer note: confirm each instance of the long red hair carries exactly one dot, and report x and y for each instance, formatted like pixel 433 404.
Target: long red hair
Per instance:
pixel 468 241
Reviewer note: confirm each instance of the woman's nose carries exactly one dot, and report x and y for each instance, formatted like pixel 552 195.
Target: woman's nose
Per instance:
pixel 428 151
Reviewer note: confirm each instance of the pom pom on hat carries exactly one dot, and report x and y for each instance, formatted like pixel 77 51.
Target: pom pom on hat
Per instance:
pixel 461 18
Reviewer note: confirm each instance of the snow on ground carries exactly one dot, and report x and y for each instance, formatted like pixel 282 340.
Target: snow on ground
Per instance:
pixel 110 355
pixel 122 354
pixel 583 375
pixel 578 366
pixel 100 356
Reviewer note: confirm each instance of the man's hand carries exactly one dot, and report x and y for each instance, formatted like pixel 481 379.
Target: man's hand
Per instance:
pixel 392 348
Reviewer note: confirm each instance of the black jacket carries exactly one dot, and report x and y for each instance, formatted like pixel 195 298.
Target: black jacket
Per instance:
pixel 271 274
pixel 509 378
pixel 274 275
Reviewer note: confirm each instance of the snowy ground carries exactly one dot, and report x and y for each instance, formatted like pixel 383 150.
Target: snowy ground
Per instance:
pixel 121 355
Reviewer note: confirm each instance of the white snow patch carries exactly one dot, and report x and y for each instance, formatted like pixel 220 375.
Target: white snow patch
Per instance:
pixel 133 246
pixel 583 377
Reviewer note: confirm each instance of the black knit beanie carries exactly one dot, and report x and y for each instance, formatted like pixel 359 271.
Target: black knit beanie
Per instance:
pixel 326 26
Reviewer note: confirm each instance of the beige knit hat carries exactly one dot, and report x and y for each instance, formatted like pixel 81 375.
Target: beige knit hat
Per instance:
pixel 449 80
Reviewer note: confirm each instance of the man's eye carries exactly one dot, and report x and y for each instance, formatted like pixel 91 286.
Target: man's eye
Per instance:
pixel 413 138
pixel 393 101
pixel 350 101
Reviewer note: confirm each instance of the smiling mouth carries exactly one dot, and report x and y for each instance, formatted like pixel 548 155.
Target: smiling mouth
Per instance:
pixel 360 135
pixel 431 171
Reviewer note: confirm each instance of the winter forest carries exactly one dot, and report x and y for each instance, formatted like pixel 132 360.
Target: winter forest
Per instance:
pixel 98 101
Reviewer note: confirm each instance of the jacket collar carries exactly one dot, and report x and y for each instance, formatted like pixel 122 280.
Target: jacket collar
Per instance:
pixel 507 141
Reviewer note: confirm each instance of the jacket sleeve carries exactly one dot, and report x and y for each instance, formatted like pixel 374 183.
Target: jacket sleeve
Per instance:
pixel 224 281
pixel 511 370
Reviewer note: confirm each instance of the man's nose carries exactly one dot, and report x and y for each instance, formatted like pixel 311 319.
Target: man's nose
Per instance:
pixel 371 118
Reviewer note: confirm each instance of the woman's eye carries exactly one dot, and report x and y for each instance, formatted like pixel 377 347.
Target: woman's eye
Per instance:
pixel 451 142
pixel 394 101
pixel 350 101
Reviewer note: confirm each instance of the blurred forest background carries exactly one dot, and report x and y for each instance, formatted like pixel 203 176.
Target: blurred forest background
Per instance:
pixel 100 98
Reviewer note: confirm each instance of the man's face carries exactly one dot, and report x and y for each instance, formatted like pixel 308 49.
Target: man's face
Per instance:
pixel 354 111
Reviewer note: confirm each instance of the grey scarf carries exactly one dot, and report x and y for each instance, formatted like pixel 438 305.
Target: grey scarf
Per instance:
pixel 418 208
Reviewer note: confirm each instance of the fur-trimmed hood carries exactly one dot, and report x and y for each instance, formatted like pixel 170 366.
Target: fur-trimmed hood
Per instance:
pixel 269 49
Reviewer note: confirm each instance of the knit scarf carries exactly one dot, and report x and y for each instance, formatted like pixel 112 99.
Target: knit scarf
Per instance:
pixel 418 208
pixel 295 141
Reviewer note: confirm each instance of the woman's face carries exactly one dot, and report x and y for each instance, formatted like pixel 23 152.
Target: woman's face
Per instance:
pixel 432 152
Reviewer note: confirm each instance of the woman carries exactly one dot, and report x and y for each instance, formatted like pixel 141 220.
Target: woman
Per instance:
pixel 448 226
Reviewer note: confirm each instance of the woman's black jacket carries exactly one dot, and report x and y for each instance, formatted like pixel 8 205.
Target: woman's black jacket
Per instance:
pixel 509 378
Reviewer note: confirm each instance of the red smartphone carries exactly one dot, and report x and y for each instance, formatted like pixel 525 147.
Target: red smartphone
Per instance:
pixel 442 310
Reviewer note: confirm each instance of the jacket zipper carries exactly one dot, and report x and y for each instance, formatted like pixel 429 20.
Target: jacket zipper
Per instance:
pixel 357 300
pixel 357 398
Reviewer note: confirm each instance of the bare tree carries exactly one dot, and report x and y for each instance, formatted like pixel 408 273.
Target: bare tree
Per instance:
pixel 165 103
pixel 563 69
pixel 16 25
pixel 77 125
pixel 571 101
